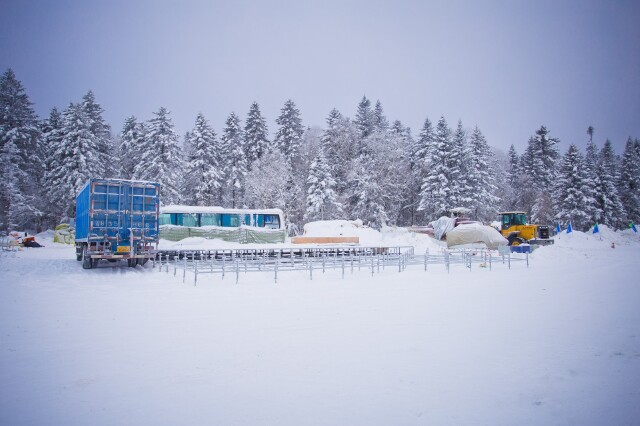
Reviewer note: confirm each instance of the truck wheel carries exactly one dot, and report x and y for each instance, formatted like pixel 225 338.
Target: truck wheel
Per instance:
pixel 132 262
pixel 516 241
pixel 87 262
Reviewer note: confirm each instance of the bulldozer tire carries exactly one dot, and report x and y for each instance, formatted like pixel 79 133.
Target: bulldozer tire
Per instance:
pixel 515 241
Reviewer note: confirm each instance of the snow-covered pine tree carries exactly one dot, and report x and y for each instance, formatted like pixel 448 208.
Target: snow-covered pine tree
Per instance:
pixel 332 140
pixel 435 192
pixel 75 159
pixel 607 196
pixel 378 179
pixel 569 191
pixel 339 141
pixel 499 165
pixel 203 177
pixel 548 151
pixel 411 189
pixel 160 158
pixel 512 188
pixel 364 119
pixel 481 178
pixel 131 140
pixel 592 182
pixel 235 161
pixel 102 134
pixel 322 201
pixel 629 184
pixel 413 178
pixel 397 127
pixel 514 166
pixel 380 122
pixel 419 156
pixel 289 134
pixel 458 163
pixel 526 193
pixel 309 148
pixel 52 135
pixel 21 162
pixel 539 164
pixel 256 140
pixel 266 182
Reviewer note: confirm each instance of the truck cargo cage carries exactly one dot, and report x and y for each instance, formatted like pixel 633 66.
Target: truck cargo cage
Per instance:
pixel 117 219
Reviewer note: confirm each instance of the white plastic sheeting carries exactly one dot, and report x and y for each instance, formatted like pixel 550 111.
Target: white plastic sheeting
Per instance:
pixel 442 226
pixel 475 233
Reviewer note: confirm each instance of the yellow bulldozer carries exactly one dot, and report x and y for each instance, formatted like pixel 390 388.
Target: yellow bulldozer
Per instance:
pixel 514 227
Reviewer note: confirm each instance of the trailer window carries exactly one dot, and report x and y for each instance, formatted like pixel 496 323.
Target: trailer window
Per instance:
pixel 210 219
pixel 187 219
pixel 165 219
pixel 230 220
pixel 272 221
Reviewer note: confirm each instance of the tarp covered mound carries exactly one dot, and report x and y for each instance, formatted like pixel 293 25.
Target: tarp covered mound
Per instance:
pixel 475 233
pixel 442 226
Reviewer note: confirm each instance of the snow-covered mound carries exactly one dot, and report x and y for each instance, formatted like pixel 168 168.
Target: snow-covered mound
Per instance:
pixel 340 228
pixel 577 244
pixel 605 237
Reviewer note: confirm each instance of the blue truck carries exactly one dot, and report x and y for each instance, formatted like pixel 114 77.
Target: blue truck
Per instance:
pixel 117 220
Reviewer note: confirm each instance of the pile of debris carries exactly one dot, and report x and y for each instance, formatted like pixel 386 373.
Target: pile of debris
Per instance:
pixel 22 239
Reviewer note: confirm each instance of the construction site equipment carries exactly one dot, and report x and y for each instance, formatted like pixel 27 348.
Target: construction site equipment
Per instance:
pixel 117 220
pixel 515 228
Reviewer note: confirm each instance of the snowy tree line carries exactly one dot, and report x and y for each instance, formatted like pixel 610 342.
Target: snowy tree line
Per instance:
pixel 366 167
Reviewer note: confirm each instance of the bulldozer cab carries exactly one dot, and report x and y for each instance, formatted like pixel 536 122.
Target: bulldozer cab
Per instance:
pixel 509 219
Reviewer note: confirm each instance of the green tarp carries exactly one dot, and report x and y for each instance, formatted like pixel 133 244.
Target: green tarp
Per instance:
pixel 236 235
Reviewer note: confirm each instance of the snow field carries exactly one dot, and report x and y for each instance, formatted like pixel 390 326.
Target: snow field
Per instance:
pixel 557 343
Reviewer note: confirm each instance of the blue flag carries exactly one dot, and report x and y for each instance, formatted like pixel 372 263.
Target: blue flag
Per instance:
pixel 569 228
pixel 595 228
pixel 633 226
pixel 558 229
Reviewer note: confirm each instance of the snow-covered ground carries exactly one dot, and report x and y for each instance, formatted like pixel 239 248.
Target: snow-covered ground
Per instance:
pixel 557 343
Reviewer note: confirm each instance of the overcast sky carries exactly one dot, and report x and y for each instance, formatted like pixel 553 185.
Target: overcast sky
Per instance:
pixel 507 66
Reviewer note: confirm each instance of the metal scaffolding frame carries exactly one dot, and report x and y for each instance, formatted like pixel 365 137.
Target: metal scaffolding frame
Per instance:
pixel 319 259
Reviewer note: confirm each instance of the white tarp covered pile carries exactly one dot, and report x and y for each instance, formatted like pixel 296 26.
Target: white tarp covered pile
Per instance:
pixel 475 233
pixel 442 226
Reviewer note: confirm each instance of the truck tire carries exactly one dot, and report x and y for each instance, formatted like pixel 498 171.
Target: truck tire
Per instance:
pixel 87 262
pixel 132 262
